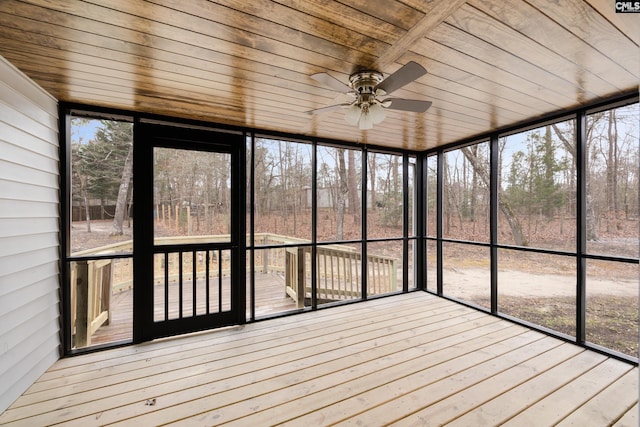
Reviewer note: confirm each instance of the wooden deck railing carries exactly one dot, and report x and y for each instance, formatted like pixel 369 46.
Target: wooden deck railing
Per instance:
pixel 338 273
pixel 90 298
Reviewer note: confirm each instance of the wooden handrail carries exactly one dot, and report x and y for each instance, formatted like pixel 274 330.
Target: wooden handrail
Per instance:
pixel 337 274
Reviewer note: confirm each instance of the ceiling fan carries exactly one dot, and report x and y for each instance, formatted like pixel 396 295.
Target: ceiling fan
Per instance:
pixel 366 87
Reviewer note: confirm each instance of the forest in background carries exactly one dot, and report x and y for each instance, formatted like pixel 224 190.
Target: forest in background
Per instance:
pixel 537 187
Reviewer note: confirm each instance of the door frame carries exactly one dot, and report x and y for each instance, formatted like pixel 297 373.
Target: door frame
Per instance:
pixel 147 136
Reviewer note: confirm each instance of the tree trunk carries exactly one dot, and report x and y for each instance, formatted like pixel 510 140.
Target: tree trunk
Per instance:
pixel 85 202
pixel 343 189
pixel 610 192
pixel 372 180
pixel 592 234
pixel 474 193
pixel 445 195
pixel 354 199
pixel 121 203
pixel 128 210
pixel 87 211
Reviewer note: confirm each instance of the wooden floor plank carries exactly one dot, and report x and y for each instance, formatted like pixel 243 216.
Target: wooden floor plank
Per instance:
pixel 605 408
pixel 359 365
pixel 556 406
pixel 630 418
pixel 468 398
pixel 440 399
pixel 296 367
pixel 410 359
pixel 313 408
pixel 509 404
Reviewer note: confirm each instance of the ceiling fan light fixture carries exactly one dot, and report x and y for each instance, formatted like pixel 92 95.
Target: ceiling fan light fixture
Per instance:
pixel 352 116
pixel 369 111
pixel 376 111
pixel 366 121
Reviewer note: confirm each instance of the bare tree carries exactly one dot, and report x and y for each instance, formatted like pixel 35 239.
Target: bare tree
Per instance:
pixel 121 202
pixel 372 167
pixel 343 190
pixel 354 199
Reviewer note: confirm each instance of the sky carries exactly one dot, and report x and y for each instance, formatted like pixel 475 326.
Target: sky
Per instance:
pixel 83 130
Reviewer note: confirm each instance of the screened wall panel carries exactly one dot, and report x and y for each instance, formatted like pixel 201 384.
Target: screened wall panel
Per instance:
pixel 548 232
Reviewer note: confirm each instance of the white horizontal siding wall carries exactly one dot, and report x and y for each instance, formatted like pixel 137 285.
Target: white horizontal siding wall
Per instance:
pixel 29 240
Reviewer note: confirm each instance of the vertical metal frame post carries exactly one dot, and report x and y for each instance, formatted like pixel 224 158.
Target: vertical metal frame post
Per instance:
pixel 493 218
pixel 439 221
pixel 65 227
pixel 581 226
pixel 252 221
pixel 363 221
pixel 314 226
pixel 420 221
pixel 405 223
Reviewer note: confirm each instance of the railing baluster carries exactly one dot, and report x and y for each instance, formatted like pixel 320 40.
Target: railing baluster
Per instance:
pixel 180 285
pixel 346 277
pixel 206 274
pixel 357 267
pixel 340 288
pixel 332 271
pixel 166 286
pixel 219 280
pixel 194 279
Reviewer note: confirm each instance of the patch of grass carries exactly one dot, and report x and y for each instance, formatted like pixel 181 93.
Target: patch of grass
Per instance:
pixel 611 321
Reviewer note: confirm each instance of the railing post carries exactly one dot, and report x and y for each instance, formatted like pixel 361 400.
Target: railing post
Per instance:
pixel 82 337
pixel 265 260
pixel 107 280
pixel 287 272
pixel 189 231
pixel 393 280
pixel 301 288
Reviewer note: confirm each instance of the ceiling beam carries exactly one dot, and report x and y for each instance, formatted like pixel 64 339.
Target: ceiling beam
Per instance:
pixel 440 11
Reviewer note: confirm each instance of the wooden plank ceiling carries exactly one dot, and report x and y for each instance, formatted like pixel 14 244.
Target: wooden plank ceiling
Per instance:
pixel 491 63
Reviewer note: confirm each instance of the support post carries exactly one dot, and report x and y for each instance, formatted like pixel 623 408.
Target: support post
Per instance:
pixel 82 338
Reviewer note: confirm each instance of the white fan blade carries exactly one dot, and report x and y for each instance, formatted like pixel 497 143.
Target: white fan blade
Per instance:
pixel 327 109
pixel 413 105
pixel 330 82
pixel 405 75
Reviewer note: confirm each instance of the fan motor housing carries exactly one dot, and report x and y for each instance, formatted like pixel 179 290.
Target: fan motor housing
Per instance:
pixel 364 82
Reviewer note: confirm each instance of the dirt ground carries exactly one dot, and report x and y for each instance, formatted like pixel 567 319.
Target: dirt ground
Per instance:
pixel 469 283
pixel 612 307
pixel 82 240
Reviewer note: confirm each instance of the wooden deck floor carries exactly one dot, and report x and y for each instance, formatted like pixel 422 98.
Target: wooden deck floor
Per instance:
pixel 270 298
pixel 411 359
